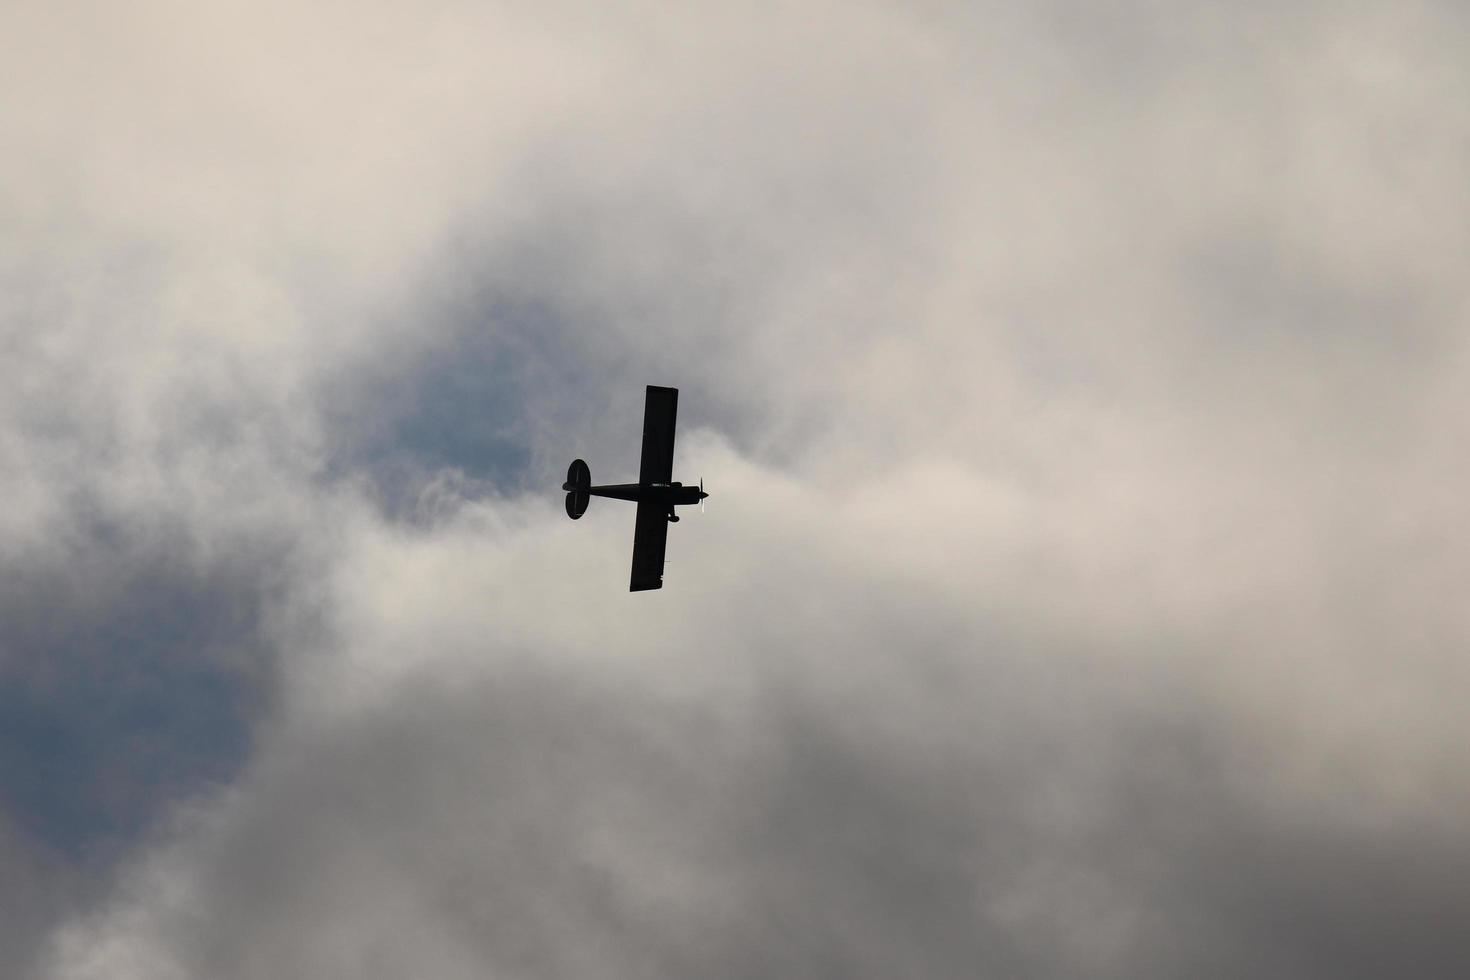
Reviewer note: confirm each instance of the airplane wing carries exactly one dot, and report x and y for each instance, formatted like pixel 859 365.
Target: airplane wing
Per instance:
pixel 650 535
pixel 657 463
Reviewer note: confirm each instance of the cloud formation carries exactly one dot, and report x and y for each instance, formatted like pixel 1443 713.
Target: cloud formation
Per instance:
pixel 1081 392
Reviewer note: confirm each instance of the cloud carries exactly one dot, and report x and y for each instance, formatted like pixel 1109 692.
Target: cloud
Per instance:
pixel 1079 392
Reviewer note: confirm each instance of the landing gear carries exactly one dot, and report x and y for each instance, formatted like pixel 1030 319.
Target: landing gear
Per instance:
pixel 673 518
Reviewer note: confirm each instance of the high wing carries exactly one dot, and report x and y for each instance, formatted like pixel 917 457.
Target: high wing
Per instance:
pixel 651 534
pixel 657 463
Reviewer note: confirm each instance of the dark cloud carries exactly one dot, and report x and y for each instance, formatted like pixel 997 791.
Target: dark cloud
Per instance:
pixel 131 677
pixel 130 681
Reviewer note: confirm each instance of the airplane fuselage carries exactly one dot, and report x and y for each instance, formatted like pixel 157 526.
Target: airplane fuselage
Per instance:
pixel 667 494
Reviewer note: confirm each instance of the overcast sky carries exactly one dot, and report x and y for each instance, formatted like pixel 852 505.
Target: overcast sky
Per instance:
pixel 1084 394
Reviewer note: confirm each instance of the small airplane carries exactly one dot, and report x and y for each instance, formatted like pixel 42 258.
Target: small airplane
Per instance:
pixel 656 495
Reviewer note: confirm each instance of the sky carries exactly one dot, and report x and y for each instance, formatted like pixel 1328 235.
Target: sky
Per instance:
pixel 1083 390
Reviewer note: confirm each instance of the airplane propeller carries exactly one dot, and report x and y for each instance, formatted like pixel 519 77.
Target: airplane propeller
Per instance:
pixel 701 495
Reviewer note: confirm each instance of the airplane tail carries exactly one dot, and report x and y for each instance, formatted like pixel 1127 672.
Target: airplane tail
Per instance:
pixel 579 479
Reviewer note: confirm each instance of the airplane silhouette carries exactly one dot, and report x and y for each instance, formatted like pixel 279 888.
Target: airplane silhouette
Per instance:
pixel 656 495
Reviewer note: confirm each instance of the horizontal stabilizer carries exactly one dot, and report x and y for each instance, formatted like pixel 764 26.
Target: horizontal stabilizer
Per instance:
pixel 579 479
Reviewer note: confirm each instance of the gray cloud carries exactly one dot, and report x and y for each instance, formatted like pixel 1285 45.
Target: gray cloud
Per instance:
pixel 1082 393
